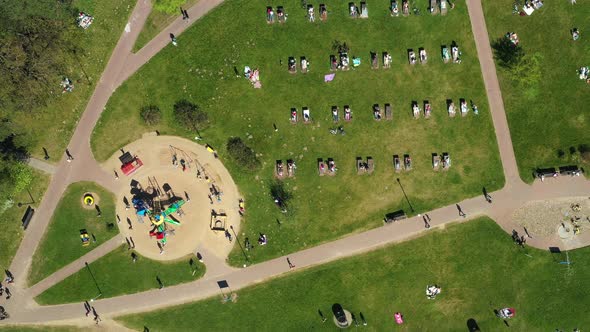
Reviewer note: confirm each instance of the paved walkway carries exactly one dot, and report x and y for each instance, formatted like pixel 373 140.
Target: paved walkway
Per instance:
pixel 123 64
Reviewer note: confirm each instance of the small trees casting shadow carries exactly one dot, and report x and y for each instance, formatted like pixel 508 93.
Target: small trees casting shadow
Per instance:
pixel 190 116
pixel 242 154
pixel 507 54
pixel 151 115
pixel 280 195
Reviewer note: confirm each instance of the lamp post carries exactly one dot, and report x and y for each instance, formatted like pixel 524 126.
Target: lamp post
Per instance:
pixel 95 283
pixel 240 244
pixel 406 196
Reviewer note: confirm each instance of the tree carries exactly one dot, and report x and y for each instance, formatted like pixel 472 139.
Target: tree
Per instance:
pixel 168 6
pixel 190 116
pixel 151 114
pixel 526 72
pixel 35 47
pixel 507 53
pixel 280 195
pixel 242 154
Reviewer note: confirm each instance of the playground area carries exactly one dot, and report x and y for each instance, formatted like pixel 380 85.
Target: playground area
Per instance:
pixel 179 199
pixel 565 218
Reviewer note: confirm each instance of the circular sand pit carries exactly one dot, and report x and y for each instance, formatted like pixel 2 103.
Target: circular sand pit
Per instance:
pixel 546 217
pixel 90 200
pixel 171 204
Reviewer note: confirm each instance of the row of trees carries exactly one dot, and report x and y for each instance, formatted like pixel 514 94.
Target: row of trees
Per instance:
pixel 188 115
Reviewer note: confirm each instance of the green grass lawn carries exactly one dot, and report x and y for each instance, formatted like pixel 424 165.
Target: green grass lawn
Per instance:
pixel 116 274
pixel 10 220
pixel 154 24
pixel 61 244
pixel 52 126
pixel 553 115
pixel 322 208
pixel 476 265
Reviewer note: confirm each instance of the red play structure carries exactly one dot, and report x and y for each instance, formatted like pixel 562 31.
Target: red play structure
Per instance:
pixel 130 163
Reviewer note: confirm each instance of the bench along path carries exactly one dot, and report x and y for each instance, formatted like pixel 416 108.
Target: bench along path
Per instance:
pixel 123 64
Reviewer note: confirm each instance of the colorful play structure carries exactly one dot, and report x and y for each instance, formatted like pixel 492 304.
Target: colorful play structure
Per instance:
pixel 84 237
pixel 157 216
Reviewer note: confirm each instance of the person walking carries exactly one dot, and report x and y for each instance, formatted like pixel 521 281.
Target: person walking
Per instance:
pixel 87 307
pixel 8 293
pixel 426 223
pixel 132 243
pixel 128 243
pixel 461 213
pixel 69 156
pixel 291 265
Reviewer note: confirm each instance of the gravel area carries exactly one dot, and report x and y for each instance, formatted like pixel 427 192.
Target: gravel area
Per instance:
pixel 545 217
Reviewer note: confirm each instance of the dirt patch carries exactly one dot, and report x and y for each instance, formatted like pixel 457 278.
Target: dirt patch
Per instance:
pixel 93 205
pixel 546 217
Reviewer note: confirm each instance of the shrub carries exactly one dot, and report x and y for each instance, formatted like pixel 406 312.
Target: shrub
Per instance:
pixel 242 154
pixel 151 115
pixel 190 115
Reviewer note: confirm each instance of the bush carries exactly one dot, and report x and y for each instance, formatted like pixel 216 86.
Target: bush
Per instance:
pixel 242 154
pixel 168 6
pixel 190 116
pixel 151 115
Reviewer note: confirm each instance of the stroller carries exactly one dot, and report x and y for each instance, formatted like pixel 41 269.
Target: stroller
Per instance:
pixel 464 108
pixel 446 161
pixel 386 60
pixel 451 108
pixel 292 64
pixel 270 15
pixel 304 65
pixel 423 56
pixel 281 14
pixel 412 57
pixel 352 10
pixel 335 114
pixel 347 113
pixel 446 56
pixel 293 115
pixel 405 7
pixel 415 110
pixel 407 162
pixel 455 53
pixel 376 112
pixel 427 109
pixel 306 115
pixel 374 61
pixel 396 164
pixel 310 13
pixel 394 8
pixel 323 12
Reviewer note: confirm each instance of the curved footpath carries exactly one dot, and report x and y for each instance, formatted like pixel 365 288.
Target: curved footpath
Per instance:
pixel 122 65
